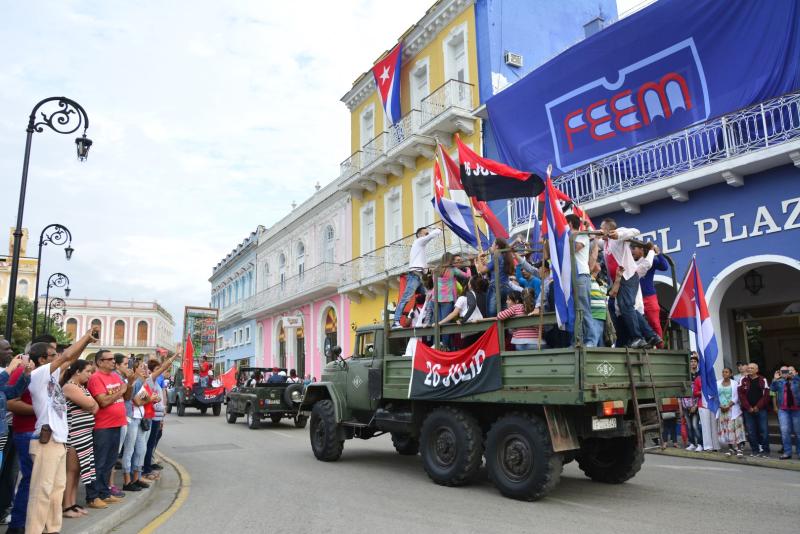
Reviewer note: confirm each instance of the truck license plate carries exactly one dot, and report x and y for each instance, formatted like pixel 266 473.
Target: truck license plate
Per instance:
pixel 273 401
pixel 604 423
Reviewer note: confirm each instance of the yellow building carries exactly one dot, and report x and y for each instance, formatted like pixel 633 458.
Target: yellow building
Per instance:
pixel 390 173
pixel 26 276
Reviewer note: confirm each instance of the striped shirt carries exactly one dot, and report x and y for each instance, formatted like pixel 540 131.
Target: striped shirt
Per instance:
pixel 525 333
pixel 598 302
pixel 447 284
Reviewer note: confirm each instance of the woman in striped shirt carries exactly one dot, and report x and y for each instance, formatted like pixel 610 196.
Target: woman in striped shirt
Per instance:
pixel 519 305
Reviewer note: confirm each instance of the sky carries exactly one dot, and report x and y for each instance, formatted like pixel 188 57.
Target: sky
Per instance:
pixel 208 118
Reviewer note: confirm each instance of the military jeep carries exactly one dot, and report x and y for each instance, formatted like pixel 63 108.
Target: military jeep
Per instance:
pixel 257 400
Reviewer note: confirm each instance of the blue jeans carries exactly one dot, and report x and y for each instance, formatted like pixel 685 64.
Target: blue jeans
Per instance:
pixel 413 281
pixel 131 441
pixel 152 442
pixel 596 329
pixel 444 310
pixel 8 475
pixel 526 346
pixel 790 422
pixel 694 432
pixel 670 430
pixel 491 304
pixel 757 432
pixel 583 303
pixel 22 441
pixel 106 445
pixel 626 300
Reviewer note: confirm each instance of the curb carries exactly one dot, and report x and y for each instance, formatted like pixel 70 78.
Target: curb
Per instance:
pixel 786 465
pixel 185 482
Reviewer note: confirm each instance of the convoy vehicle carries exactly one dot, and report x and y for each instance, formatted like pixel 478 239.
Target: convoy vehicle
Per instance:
pixel 548 407
pixel 197 396
pixel 260 400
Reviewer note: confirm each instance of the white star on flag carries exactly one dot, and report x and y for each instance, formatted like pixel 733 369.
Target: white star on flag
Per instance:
pixel 385 76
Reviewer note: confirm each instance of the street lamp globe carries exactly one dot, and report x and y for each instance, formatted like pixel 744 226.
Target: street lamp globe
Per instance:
pixel 83 144
pixel 68 251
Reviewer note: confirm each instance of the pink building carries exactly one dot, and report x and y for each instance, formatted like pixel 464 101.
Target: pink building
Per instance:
pixel 298 312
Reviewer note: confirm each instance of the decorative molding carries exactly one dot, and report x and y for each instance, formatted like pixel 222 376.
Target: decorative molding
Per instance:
pixel 733 179
pixel 681 195
pixel 795 157
pixel 630 207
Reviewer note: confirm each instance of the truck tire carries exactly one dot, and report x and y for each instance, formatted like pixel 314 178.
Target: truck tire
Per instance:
pixel 325 443
pixel 230 415
pixel 520 457
pixel 203 409
pixel 181 408
pixel 276 418
pixel 216 409
pixel 612 460
pixel 300 421
pixel 169 407
pixel 451 445
pixel 253 418
pixel 289 391
pixel 405 444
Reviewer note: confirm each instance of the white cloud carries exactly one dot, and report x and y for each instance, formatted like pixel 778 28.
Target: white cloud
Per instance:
pixel 208 119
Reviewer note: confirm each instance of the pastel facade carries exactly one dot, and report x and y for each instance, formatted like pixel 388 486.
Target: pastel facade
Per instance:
pixel 26 276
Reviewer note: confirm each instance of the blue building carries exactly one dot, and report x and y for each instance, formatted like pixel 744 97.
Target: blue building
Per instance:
pixel 233 280
pixel 691 135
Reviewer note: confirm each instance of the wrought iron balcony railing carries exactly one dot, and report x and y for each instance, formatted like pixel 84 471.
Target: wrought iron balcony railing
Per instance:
pixel 325 276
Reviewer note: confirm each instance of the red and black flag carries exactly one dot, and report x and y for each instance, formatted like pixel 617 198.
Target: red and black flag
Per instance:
pixel 486 179
pixel 449 375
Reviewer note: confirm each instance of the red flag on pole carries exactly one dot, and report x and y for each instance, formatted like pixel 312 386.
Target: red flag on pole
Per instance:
pixel 188 363
pixel 228 378
pixel 486 179
pixel 450 170
pixel 491 219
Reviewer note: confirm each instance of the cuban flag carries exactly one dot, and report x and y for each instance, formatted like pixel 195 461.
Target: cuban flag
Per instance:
pixel 558 233
pixel 691 312
pixel 387 80
pixel 457 217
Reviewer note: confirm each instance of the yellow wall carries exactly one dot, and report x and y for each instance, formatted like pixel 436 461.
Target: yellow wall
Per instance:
pixel 369 309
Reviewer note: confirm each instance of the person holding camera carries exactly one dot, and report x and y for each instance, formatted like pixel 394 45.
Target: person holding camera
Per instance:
pixel 786 386
pixel 51 434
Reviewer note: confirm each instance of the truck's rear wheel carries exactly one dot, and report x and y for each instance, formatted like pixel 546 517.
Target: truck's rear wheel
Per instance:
pixel 216 409
pixel 451 446
pixel 230 415
pixel 276 418
pixel 169 407
pixel 203 409
pixel 253 418
pixel 405 444
pixel 324 440
pixel 520 458
pixel 300 421
pixel 612 460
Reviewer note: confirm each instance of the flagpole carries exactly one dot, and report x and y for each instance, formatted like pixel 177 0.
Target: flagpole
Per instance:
pixel 533 204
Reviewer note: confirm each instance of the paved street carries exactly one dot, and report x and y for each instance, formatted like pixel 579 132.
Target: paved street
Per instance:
pixel 267 480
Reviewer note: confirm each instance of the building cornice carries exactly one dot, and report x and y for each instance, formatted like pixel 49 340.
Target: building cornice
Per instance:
pixel 414 39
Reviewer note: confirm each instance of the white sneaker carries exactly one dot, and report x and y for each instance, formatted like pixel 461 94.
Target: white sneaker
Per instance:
pixel 699 448
pixel 690 448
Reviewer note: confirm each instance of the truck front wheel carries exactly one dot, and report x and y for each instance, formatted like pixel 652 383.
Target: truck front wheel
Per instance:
pixel 324 440
pixel 612 460
pixel 451 446
pixel 405 444
pixel 520 458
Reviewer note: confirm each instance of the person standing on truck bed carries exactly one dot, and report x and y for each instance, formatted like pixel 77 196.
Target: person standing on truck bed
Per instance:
pixel 505 269
pixel 417 266
pixel 467 309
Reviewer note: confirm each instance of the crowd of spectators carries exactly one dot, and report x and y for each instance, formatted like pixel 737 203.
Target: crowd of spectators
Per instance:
pixel 66 421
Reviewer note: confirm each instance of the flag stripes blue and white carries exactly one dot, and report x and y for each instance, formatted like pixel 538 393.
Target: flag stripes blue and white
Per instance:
pixel 457 217
pixel 560 259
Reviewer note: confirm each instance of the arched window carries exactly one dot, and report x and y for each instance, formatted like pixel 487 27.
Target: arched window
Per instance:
pixel 141 334
pixel 72 328
pixel 301 258
pixel 96 322
pixel 22 288
pixel 266 275
pixel 119 333
pixel 328 251
pixel 282 268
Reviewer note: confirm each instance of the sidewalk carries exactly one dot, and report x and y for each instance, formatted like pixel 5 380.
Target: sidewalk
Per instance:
pixel 109 519
pixel 773 462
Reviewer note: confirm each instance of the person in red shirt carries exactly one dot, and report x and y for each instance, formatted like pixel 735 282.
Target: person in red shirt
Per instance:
pixel 108 389
pixel 205 367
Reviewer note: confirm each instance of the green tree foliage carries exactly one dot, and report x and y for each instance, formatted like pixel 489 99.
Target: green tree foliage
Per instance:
pixel 23 317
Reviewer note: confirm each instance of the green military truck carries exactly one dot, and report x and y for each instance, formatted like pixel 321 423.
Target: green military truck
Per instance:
pixel 257 401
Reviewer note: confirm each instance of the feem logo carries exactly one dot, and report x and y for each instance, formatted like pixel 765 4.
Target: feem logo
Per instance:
pixel 652 97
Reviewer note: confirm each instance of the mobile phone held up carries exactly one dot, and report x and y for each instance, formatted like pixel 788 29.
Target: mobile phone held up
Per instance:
pixel 96 334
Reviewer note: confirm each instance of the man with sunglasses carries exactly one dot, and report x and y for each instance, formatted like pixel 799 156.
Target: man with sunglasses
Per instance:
pixel 786 386
pixel 108 389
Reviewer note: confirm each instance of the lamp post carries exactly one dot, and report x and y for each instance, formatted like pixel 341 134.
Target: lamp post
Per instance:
pixel 57 317
pixel 55 280
pixel 58 236
pixel 67 117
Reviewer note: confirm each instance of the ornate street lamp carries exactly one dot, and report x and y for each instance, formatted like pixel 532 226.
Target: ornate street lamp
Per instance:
pixel 54 317
pixel 66 118
pixel 58 235
pixel 55 280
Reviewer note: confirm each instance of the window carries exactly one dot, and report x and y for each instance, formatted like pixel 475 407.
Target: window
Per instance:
pixel 266 275
pixel 301 258
pixel 241 337
pixel 423 209
pixel 141 334
pixel 330 335
pixel 96 322
pixel 220 343
pixel 328 245
pixel 282 268
pixel 72 328
pixel 367 131
pixel 365 345
pixel 119 333
pixel 419 83
pixel 368 227
pixel 247 334
pixel 455 55
pixel 22 288
pixel 394 215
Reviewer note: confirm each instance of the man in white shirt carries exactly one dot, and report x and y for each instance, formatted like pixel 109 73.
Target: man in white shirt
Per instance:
pixel 584 281
pixel 48 446
pixel 417 266
pixel 618 252
pixel 644 261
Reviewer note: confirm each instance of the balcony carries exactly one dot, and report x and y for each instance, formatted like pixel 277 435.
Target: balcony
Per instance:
pixel 297 290
pixel 722 149
pixel 444 112
pixel 371 273
pixel 231 311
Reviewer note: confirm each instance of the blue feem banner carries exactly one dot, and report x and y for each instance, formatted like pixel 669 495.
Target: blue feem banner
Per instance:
pixel 671 65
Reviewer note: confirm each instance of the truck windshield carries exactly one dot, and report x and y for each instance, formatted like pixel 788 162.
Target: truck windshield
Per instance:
pixel 366 345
